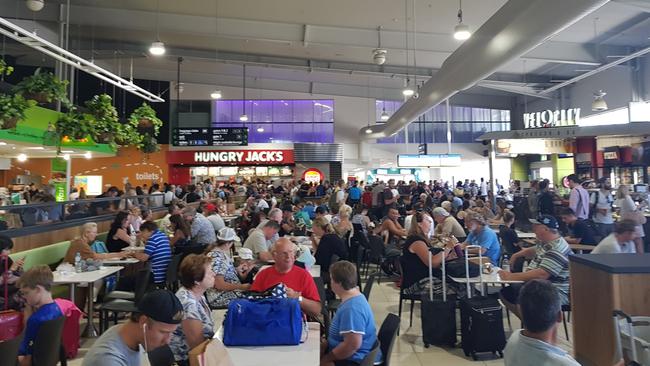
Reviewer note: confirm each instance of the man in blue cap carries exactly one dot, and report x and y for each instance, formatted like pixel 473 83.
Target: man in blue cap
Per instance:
pixel 159 314
pixel 549 260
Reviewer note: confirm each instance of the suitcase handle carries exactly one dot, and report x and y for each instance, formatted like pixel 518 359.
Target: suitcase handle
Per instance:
pixel 480 270
pixel 630 329
pixel 444 277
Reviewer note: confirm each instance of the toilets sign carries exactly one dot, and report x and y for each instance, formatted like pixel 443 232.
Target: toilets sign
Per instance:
pixel 549 118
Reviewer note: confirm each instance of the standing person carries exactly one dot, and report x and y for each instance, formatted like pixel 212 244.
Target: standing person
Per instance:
pixel 533 207
pixel 151 326
pixel 601 202
pixel 354 194
pixel 629 211
pixel 545 199
pixel 35 285
pixel 536 344
pixel 578 198
pixel 484 189
pixel 352 334
pixel 158 198
pixel 157 251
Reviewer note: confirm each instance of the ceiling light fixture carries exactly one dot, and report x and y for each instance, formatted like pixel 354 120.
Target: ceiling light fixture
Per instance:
pixel 260 129
pixel 461 30
pixel 35 5
pixel 21 157
pixel 599 104
pixel 66 157
pixel 216 94
pixel 88 155
pixel 408 91
pixel 368 130
pixel 384 116
pixel 32 40
pixel 2 143
pixel 157 48
pixel 243 117
pixel 379 54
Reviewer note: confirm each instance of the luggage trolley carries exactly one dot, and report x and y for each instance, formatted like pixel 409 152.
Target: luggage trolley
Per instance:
pixel 633 337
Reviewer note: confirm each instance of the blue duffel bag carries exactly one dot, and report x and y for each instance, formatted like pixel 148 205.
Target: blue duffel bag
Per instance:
pixel 266 322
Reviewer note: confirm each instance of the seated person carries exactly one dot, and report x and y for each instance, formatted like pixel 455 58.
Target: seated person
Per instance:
pixel 580 231
pixel 323 211
pixel 535 345
pixel 196 276
pixel 621 240
pixel 483 236
pixel 341 222
pixel 35 286
pixel 258 240
pixel 300 284
pixel 181 232
pixel 157 251
pixel 549 261
pixel 14 270
pixel 119 234
pixel 326 244
pixel 394 231
pixel 510 239
pixel 227 281
pixel 288 224
pixel 447 225
pixel 245 265
pixel 83 245
pixel 352 334
pixel 159 313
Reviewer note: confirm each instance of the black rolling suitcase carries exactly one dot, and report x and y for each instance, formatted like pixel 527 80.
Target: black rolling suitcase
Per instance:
pixel 438 313
pixel 481 321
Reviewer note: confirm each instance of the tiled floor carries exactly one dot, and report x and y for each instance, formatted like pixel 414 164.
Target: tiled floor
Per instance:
pixel 409 349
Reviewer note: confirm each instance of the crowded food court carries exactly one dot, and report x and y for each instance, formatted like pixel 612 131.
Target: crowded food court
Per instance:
pixel 365 183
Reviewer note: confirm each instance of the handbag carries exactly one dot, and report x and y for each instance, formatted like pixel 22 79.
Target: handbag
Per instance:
pixel 11 321
pixel 456 268
pixel 267 322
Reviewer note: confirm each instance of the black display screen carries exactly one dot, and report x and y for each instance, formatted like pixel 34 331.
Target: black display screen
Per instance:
pixel 199 136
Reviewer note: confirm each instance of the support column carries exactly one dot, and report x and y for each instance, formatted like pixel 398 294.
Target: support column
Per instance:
pixel 493 185
pixel 448 113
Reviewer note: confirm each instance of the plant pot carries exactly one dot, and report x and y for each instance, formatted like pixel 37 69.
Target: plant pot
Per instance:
pixel 10 123
pixel 104 138
pixel 40 98
pixel 145 125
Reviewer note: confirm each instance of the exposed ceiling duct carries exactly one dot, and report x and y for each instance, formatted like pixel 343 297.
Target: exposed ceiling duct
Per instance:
pixel 515 29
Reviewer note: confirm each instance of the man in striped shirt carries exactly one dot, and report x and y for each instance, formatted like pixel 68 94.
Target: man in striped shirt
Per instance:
pixel 549 260
pixel 157 250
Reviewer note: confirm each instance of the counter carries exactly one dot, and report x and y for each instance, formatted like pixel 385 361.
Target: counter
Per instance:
pixel 601 283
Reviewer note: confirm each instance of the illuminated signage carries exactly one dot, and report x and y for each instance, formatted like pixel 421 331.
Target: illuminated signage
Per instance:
pixel 432 160
pixel 549 118
pixel 312 175
pixel 610 155
pixel 231 157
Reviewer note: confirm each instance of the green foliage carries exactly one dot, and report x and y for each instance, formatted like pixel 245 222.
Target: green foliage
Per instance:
pixel 13 107
pixel 75 125
pixel 101 108
pixel 5 70
pixel 148 144
pixel 145 113
pixel 45 85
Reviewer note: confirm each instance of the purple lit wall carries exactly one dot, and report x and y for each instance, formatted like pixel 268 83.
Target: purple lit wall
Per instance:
pixel 310 120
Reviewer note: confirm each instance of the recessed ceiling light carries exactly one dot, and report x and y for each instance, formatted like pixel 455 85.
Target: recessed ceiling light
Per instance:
pixel 88 155
pixel 67 151
pixel 2 143
pixel 157 48
pixel 35 148
pixel 21 157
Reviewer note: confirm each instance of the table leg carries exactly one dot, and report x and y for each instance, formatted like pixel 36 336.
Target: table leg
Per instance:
pixel 72 285
pixel 90 331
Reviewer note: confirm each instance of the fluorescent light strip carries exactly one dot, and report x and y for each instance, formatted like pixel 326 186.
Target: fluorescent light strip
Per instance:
pixel 34 41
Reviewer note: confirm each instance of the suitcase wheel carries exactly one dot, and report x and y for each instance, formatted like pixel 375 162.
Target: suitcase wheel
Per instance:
pixel 501 354
pixel 426 345
pixel 466 353
pixel 474 356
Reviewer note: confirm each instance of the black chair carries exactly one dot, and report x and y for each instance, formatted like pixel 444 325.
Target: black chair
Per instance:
pixel 171 276
pixel 566 313
pixel 369 360
pixel 376 255
pixel 402 296
pixel 161 356
pixel 320 286
pixel 9 350
pixel 117 306
pixel 386 337
pixel 48 350
pixel 368 287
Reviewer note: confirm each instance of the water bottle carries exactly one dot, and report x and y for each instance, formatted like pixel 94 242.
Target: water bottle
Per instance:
pixel 77 263
pixel 133 238
pixel 505 264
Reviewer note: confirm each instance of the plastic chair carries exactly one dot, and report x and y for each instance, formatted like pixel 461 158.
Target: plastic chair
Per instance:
pixel 161 356
pixel 9 350
pixel 171 276
pixel 320 286
pixel 48 350
pixel 403 296
pixel 386 337
pixel 376 255
pixel 369 360
pixel 116 306
pixel 368 287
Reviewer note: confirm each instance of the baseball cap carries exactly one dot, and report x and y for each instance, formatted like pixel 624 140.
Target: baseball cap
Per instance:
pixel 210 207
pixel 322 209
pixel 227 234
pixel 546 220
pixel 245 253
pixel 162 306
pixel 439 211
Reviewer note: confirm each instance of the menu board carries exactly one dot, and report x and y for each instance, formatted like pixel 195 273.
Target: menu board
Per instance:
pixel 227 171
pixel 92 184
pixel 247 171
pixel 261 171
pixel 274 171
pixel 213 171
pixel 286 171
pixel 227 136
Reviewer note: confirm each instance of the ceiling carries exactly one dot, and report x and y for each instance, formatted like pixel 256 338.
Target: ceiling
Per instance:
pixel 323 47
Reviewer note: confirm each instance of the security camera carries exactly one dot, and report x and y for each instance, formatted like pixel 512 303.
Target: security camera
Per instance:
pixel 35 5
pixel 379 55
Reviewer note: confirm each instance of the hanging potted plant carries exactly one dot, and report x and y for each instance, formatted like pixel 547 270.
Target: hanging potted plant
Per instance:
pixel 12 110
pixel 126 134
pixel 104 116
pixel 74 125
pixel 5 70
pixel 148 144
pixel 43 87
pixel 145 120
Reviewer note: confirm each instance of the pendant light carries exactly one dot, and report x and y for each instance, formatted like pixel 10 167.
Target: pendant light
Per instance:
pixel 461 30
pixel 599 104
pixel 216 94
pixel 368 129
pixel 157 48
pixel 408 90
pixel 384 116
pixel 244 117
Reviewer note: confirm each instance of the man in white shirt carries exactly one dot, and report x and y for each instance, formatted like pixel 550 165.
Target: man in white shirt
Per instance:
pixel 620 241
pixel 215 219
pixel 258 240
pixel 484 189
pixel 156 199
pixel 261 203
pixel 535 345
pixel 601 201
pixel 169 195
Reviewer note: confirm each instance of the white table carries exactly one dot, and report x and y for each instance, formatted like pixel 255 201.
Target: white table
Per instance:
pixel 304 354
pixel 117 262
pixel 491 278
pixel 88 278
pixel 133 249
pixel 523 235
pixel 314 270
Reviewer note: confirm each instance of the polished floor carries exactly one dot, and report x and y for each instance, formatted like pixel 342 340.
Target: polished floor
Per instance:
pixel 409 349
